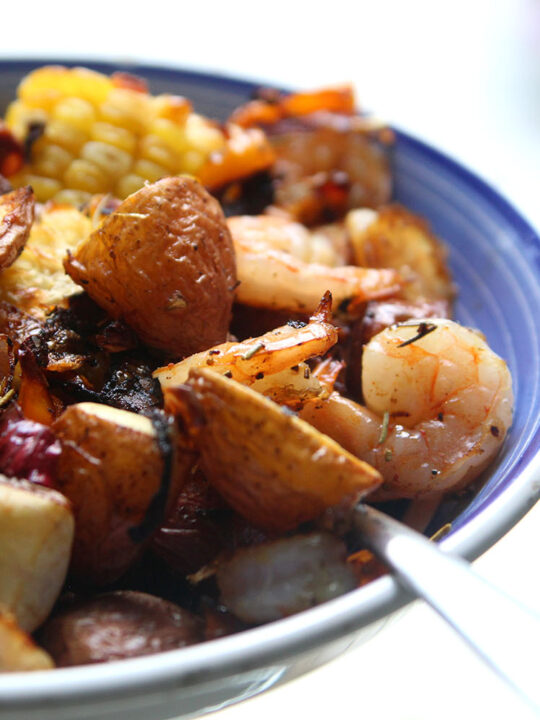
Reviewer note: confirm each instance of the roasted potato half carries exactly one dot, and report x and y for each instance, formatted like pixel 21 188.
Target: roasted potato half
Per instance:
pixel 120 472
pixel 16 218
pixel 18 652
pixel 271 467
pixel 164 263
pixel 36 533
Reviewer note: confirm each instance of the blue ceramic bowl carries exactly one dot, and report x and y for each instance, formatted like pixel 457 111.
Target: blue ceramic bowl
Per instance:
pixel 495 259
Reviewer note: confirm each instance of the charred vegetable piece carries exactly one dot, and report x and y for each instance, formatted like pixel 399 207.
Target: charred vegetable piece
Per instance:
pixel 18 652
pixel 16 218
pixel 37 280
pixel 36 533
pixel 164 263
pixel 120 472
pixel 28 450
pixel 117 625
pixel 11 152
pixel 276 579
pixel 271 467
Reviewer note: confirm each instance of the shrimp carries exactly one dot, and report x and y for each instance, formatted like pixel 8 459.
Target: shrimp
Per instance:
pixel 438 407
pixel 395 238
pixel 254 359
pixel 272 273
pixel 279 578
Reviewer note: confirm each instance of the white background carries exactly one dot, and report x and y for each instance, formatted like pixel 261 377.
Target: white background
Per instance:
pixel 463 75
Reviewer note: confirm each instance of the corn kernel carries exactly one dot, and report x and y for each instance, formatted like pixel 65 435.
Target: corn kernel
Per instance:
pixel 64 82
pixel 152 148
pixel 113 135
pixel 149 170
pixel 84 175
pixel 202 135
pixel 171 134
pixel 172 107
pixel 113 161
pixel 44 188
pixel 128 184
pixel 76 112
pixel 128 109
pixel 67 136
pixel 192 161
pixel 78 198
pixel 50 160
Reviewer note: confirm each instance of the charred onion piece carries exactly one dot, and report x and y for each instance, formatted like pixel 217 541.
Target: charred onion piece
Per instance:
pixel 164 263
pixel 28 450
pixel 16 218
pixel 271 467
pixel 120 473
pixel 117 625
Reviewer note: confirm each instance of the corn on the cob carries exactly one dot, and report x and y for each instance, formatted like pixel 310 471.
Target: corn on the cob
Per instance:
pixel 99 134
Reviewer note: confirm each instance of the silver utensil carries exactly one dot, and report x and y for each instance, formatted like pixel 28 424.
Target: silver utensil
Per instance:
pixel 504 633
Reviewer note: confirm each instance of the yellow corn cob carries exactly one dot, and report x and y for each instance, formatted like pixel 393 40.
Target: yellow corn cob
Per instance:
pixel 108 135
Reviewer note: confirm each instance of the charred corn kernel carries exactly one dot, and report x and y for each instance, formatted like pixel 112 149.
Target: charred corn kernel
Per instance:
pixel 192 161
pixel 111 160
pixel 128 109
pixel 64 82
pixel 172 107
pixel 44 188
pixel 114 135
pixel 129 184
pixel 51 160
pixel 85 175
pixel 101 135
pixel 73 197
pixel 76 112
pixel 19 117
pixel 149 170
pixel 152 148
pixel 67 136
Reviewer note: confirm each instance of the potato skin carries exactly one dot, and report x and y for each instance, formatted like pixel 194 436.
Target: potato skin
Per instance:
pixel 112 470
pixel 16 218
pixel 164 263
pixel 115 626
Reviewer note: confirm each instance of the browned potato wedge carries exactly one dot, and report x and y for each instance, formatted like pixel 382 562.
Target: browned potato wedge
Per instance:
pixel 164 263
pixel 117 625
pixel 270 466
pixel 18 652
pixel 36 533
pixel 37 280
pixel 120 472
pixel 16 218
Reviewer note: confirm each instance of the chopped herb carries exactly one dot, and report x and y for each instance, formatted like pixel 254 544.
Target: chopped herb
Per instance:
pixel 259 376
pixel 252 351
pixel 228 374
pixel 441 532
pixel 387 455
pixel 494 430
pixel 296 324
pixel 384 428
pixel 440 417
pixel 423 330
pixel 307 373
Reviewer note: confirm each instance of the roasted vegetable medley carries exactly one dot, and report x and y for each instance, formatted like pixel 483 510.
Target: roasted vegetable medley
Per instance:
pixel 215 340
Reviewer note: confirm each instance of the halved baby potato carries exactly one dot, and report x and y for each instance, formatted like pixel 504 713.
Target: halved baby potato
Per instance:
pixel 271 467
pixel 120 472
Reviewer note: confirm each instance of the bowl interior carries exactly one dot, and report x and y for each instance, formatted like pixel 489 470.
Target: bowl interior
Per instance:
pixel 495 258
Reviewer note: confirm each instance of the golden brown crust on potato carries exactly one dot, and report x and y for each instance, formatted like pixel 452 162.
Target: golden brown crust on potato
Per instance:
pixel 164 263
pixel 18 652
pixel 16 218
pixel 271 467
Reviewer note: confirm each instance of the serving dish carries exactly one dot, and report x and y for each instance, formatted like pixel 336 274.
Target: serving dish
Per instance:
pixel 495 258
